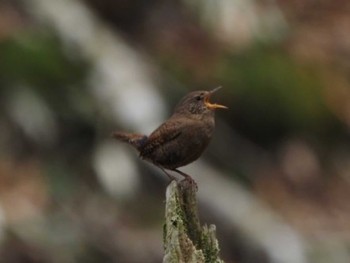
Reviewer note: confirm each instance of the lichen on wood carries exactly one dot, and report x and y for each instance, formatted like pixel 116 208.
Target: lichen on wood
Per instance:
pixel 185 240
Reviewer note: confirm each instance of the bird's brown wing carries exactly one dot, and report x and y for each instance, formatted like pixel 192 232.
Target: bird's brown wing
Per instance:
pixel 164 134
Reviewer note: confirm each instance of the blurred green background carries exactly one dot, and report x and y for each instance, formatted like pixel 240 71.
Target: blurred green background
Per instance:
pixel 276 177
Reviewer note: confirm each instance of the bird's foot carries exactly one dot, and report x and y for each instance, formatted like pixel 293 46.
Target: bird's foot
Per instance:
pixel 188 179
pixel 191 182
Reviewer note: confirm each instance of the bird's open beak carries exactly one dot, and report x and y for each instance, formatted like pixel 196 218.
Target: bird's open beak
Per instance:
pixel 213 105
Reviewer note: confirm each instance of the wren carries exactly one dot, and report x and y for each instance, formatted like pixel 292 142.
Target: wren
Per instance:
pixel 182 138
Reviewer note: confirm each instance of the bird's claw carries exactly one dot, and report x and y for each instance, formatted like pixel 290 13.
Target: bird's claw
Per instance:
pixel 191 182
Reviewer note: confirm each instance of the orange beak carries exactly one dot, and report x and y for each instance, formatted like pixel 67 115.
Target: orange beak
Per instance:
pixel 213 106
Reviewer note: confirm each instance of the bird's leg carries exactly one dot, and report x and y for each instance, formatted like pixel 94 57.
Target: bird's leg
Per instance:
pixel 171 177
pixel 183 174
pixel 187 177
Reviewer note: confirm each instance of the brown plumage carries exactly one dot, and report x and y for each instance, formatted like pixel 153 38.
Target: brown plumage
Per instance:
pixel 182 138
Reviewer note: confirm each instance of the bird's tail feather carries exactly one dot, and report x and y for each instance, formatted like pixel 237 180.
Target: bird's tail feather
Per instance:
pixel 134 139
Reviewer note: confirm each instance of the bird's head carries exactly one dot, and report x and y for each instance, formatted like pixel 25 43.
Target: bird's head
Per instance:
pixel 197 102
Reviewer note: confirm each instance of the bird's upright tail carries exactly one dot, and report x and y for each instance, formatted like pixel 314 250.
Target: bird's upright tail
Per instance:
pixel 134 139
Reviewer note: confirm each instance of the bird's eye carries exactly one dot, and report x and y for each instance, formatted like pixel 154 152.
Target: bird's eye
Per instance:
pixel 198 97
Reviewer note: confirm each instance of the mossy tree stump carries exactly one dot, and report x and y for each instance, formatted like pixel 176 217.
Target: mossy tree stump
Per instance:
pixel 185 240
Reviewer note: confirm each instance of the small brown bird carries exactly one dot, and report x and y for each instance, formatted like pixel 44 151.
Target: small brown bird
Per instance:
pixel 182 138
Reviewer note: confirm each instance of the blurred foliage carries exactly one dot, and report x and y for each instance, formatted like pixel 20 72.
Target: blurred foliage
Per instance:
pixel 286 95
pixel 36 59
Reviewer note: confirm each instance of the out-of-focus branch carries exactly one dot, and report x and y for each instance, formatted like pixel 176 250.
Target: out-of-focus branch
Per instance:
pixel 185 240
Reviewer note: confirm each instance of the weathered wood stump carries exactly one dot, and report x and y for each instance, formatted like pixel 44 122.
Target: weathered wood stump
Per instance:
pixel 185 240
